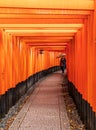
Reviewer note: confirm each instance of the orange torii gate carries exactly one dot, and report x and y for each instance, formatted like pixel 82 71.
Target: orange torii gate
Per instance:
pixel 63 27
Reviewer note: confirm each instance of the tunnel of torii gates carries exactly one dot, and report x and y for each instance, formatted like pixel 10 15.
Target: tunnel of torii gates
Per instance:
pixel 33 34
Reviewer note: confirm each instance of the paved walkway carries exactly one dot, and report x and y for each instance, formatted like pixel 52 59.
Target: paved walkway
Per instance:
pixel 45 109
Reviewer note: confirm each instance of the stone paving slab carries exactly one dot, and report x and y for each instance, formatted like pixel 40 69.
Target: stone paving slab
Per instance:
pixel 45 109
pixel 41 123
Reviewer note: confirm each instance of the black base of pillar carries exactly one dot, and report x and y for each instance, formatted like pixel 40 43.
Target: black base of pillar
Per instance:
pixel 87 115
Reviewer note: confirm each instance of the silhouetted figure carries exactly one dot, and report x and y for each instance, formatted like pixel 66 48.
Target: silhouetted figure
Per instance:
pixel 63 64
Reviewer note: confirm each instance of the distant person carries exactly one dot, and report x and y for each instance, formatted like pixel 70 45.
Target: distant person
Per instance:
pixel 63 64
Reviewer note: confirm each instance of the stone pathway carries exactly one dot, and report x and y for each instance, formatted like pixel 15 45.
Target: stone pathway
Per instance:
pixel 45 109
pixel 48 107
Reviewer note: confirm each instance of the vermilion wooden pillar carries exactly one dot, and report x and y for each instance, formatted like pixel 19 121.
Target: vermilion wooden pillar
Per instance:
pixel 94 61
pixel 77 61
pixel 84 67
pixel 8 61
pixel 2 89
pixel 90 57
pixel 70 55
